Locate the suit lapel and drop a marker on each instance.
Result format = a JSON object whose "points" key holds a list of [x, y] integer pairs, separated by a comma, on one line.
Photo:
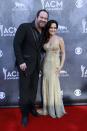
{"points": [[35, 35]]}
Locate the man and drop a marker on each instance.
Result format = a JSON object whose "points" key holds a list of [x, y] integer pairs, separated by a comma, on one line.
{"points": [[27, 47]]}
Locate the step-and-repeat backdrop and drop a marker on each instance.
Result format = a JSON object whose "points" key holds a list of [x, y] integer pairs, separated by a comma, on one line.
{"points": [[72, 18]]}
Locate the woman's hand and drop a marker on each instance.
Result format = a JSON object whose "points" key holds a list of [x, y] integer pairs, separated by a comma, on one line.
{"points": [[58, 70]]}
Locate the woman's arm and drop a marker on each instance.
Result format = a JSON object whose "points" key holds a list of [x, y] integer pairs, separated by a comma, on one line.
{"points": [[62, 52]]}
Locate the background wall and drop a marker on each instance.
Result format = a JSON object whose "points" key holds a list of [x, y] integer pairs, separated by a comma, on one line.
{"points": [[72, 18]]}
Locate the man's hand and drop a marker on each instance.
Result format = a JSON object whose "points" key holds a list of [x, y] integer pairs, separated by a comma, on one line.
{"points": [[23, 66]]}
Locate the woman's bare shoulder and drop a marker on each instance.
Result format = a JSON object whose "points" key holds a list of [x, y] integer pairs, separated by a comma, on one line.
{"points": [[60, 38]]}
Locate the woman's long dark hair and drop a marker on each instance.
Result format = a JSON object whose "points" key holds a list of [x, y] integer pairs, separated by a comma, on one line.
{"points": [[46, 34]]}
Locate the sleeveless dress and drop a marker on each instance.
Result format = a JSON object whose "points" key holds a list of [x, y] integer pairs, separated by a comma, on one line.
{"points": [[51, 92]]}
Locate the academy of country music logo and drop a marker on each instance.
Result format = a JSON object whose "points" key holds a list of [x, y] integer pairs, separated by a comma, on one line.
{"points": [[52, 4], [7, 31], [83, 71], [1, 53], [84, 25], [10, 75]]}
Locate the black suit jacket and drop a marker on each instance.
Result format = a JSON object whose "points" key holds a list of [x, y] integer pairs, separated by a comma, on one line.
{"points": [[27, 46]]}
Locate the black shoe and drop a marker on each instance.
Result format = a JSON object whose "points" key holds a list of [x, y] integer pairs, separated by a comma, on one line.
{"points": [[34, 112], [25, 121]]}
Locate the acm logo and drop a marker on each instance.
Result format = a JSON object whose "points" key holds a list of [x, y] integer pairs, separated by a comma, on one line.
{"points": [[1, 53], [10, 75], [7, 31], [52, 4]]}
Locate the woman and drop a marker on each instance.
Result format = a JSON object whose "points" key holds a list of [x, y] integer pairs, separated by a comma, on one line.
{"points": [[53, 62]]}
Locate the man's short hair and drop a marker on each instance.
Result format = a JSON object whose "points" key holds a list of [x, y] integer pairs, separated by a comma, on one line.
{"points": [[41, 11]]}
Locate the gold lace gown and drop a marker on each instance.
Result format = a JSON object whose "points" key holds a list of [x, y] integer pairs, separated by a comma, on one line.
{"points": [[51, 92]]}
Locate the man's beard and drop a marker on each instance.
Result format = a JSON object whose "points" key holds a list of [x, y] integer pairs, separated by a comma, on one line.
{"points": [[42, 24]]}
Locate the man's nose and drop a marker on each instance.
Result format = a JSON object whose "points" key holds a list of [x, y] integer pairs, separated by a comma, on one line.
{"points": [[43, 19]]}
